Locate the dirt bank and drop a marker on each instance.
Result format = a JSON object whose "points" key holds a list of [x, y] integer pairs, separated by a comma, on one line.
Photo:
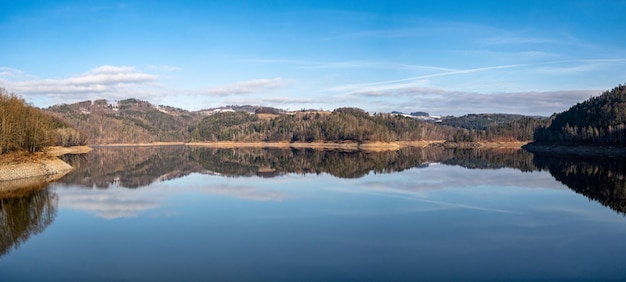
{"points": [[44, 167], [23, 186], [41, 166]]}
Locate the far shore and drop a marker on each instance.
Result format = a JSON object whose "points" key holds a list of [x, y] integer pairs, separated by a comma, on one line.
{"points": [[367, 146]]}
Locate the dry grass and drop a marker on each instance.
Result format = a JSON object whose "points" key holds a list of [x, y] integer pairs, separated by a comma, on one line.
{"points": [[505, 144], [23, 157], [266, 116], [323, 113], [58, 151]]}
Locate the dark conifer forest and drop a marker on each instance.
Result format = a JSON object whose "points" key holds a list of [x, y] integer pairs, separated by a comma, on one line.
{"points": [[600, 120]]}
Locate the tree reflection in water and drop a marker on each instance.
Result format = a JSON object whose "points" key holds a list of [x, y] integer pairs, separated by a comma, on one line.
{"points": [[600, 179], [134, 167], [24, 214]]}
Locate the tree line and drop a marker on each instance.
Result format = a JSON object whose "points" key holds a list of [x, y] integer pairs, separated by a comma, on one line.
{"points": [[600, 120], [348, 124], [26, 128]]}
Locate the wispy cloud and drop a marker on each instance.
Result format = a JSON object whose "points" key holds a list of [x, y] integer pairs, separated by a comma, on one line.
{"points": [[11, 74], [164, 68], [416, 29], [516, 40], [246, 87], [579, 66], [306, 64], [393, 84], [244, 192], [277, 101], [285, 100], [440, 101]]}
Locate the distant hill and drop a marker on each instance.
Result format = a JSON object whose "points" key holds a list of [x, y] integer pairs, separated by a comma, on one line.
{"points": [[599, 120], [480, 121], [343, 124], [126, 121], [134, 121]]}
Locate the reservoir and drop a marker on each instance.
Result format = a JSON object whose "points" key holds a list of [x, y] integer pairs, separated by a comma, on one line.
{"points": [[200, 214]]}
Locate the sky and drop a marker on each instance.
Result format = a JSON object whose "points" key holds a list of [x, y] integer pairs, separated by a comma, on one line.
{"points": [[441, 57]]}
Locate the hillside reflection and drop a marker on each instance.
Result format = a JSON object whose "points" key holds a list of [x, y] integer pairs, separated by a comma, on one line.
{"points": [[25, 213], [129, 167], [134, 167], [600, 179]]}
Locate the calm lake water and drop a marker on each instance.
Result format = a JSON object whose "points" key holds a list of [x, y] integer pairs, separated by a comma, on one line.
{"points": [[186, 214]]}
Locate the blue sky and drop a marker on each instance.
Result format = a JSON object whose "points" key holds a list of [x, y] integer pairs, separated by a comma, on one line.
{"points": [[442, 57]]}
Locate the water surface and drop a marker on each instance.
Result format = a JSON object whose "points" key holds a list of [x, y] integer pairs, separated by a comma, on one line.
{"points": [[179, 213]]}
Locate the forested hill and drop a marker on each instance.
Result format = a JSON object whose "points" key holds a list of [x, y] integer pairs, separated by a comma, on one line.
{"points": [[348, 124], [480, 121], [134, 121], [599, 120], [127, 121], [343, 124]]}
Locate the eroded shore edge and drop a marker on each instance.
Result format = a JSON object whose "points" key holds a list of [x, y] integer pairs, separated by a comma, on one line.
{"points": [[27, 169]]}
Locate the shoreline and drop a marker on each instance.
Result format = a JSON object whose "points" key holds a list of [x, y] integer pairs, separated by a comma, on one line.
{"points": [[367, 146], [21, 169], [48, 168], [576, 150]]}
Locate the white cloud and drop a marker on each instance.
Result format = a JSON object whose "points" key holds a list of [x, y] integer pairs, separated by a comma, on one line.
{"points": [[115, 203], [246, 87], [101, 82], [108, 203]]}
